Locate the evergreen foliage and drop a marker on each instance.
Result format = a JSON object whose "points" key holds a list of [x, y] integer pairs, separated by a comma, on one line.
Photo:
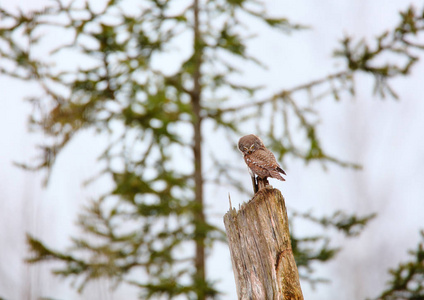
{"points": [[407, 280]]}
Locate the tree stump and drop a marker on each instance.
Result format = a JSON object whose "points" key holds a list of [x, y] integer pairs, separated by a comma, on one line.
{"points": [[261, 253]]}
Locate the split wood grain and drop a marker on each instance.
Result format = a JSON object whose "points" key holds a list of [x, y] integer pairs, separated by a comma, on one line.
{"points": [[261, 253]]}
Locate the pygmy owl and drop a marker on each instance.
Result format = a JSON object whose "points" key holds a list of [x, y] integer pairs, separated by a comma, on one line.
{"points": [[259, 159]]}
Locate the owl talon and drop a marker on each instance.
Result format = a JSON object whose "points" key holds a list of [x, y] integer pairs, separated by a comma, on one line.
{"points": [[262, 183]]}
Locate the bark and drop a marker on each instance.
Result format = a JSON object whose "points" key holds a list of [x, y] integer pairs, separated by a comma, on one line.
{"points": [[261, 253], [199, 216]]}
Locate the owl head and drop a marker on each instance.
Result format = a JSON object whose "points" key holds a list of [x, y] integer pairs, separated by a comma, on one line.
{"points": [[250, 143]]}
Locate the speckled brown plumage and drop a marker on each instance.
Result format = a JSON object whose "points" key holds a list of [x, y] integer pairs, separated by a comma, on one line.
{"points": [[259, 159]]}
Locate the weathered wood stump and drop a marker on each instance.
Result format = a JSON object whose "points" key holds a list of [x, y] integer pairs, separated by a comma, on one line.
{"points": [[261, 253]]}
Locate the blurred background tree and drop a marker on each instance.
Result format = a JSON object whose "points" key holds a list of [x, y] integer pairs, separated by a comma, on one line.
{"points": [[407, 280], [151, 77]]}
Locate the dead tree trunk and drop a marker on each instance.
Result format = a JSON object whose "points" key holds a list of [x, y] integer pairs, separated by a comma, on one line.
{"points": [[261, 253]]}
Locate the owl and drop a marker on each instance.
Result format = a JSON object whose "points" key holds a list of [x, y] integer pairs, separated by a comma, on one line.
{"points": [[259, 159]]}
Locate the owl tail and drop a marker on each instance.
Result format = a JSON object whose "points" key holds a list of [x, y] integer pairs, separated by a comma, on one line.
{"points": [[281, 170], [276, 174]]}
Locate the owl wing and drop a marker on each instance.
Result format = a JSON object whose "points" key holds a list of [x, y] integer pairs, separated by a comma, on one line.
{"points": [[263, 163]]}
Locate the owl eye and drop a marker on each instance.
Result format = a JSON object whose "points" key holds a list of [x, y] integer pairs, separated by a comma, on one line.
{"points": [[251, 147]]}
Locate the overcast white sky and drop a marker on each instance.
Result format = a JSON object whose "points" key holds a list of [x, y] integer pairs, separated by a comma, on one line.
{"points": [[385, 136]]}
